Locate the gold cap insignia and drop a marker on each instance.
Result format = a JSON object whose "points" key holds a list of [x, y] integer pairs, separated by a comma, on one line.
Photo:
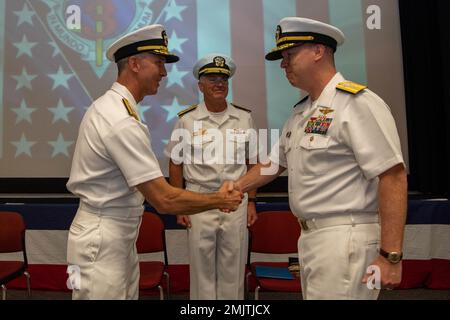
{"points": [[219, 61], [164, 36], [277, 33]]}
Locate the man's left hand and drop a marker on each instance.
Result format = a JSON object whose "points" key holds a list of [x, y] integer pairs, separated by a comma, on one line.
{"points": [[251, 214], [391, 274]]}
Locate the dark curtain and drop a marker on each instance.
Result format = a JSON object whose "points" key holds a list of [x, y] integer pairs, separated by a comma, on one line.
{"points": [[425, 29]]}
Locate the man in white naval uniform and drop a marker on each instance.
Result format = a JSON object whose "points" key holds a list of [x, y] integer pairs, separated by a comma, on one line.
{"points": [[114, 168], [217, 242], [347, 180]]}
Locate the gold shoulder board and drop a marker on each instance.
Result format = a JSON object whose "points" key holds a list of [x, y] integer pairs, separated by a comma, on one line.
{"points": [[241, 108], [183, 112], [352, 87], [130, 109]]}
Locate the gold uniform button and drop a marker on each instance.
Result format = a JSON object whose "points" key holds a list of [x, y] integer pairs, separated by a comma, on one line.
{"points": [[311, 139]]}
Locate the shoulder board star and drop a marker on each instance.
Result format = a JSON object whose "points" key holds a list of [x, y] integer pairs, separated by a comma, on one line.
{"points": [[241, 108], [351, 87], [183, 112], [301, 101], [130, 109]]}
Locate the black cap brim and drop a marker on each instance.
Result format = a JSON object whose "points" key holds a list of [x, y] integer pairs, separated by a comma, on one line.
{"points": [[275, 53], [170, 58]]}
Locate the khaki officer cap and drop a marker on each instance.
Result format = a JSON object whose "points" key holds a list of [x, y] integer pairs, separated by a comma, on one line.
{"points": [[292, 31], [150, 38]]}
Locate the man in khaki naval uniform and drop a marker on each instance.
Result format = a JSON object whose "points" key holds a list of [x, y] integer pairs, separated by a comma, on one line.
{"points": [[347, 181], [114, 168], [217, 241]]}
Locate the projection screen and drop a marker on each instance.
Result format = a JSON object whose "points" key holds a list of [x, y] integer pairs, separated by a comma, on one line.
{"points": [[53, 65]]}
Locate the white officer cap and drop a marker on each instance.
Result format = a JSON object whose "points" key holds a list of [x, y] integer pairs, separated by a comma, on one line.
{"points": [[152, 38], [292, 31], [214, 63]]}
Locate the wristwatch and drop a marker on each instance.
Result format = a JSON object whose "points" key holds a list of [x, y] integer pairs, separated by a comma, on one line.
{"points": [[393, 257], [252, 199]]}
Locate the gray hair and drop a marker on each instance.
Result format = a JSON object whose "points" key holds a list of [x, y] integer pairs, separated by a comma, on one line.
{"points": [[121, 64]]}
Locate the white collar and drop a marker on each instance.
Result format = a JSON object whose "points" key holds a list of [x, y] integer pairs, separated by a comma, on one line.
{"points": [[124, 93], [202, 112], [326, 96]]}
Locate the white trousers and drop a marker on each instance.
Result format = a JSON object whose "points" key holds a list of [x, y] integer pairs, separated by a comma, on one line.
{"points": [[333, 261], [218, 245], [103, 249]]}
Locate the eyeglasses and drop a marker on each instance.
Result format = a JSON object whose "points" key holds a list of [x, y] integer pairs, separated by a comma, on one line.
{"points": [[216, 80]]}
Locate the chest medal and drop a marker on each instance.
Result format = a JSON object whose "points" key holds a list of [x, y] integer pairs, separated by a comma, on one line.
{"points": [[321, 123]]}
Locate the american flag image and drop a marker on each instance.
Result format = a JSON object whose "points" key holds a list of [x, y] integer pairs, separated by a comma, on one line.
{"points": [[53, 66], [52, 74]]}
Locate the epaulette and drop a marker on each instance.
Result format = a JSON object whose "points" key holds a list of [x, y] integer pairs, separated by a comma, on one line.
{"points": [[241, 108], [183, 112], [130, 109], [303, 100], [349, 86]]}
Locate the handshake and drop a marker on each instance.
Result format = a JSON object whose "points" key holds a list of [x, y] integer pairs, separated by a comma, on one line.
{"points": [[226, 199], [231, 196]]}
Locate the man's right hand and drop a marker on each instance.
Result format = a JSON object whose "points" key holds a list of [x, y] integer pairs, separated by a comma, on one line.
{"points": [[231, 198], [184, 221]]}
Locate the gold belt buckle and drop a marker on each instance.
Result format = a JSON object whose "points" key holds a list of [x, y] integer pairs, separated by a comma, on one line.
{"points": [[304, 225]]}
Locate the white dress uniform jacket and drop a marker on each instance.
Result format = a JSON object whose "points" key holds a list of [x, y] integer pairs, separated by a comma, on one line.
{"points": [[334, 148], [113, 154], [217, 241]]}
